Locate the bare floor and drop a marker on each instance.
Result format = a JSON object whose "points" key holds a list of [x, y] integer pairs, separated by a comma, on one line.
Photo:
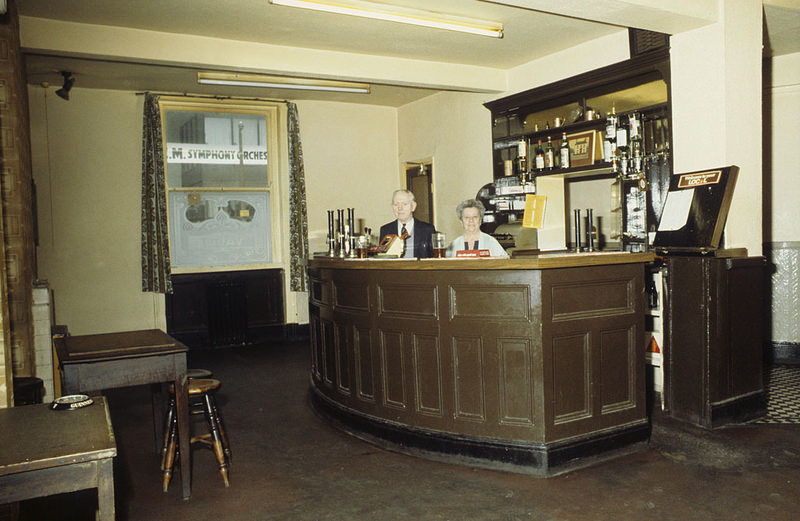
{"points": [[290, 465]]}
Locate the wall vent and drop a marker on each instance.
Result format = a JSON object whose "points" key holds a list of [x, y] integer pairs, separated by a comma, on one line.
{"points": [[642, 41]]}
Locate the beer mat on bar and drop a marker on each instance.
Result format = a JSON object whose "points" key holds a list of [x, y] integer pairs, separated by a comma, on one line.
{"points": [[782, 383]]}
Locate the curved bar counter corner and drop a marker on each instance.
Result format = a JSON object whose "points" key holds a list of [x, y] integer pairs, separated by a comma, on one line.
{"points": [[533, 365]]}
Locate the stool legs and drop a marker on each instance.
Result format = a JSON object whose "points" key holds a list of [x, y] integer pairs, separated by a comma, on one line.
{"points": [[214, 426], [216, 438], [222, 434], [170, 448], [168, 421]]}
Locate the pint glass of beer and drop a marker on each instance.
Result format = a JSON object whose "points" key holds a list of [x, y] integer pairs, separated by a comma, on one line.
{"points": [[439, 245]]}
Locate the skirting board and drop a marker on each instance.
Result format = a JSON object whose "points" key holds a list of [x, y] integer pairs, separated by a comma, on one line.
{"points": [[784, 352]]}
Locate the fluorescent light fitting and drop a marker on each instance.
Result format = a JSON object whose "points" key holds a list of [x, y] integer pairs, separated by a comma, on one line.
{"points": [[400, 14], [280, 82]]}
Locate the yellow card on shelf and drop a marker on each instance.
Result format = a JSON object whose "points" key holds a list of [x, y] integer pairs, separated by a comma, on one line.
{"points": [[534, 211]]}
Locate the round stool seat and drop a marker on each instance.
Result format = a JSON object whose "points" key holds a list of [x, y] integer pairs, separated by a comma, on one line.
{"points": [[198, 386], [193, 374]]}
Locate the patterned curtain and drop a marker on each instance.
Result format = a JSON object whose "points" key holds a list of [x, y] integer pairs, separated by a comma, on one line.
{"points": [[298, 219], [155, 235]]}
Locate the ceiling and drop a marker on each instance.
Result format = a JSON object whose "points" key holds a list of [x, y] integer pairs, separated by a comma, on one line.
{"points": [[529, 33]]}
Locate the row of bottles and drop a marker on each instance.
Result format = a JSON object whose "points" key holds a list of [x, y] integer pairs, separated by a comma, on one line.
{"points": [[543, 157], [623, 143], [633, 144], [630, 141]]}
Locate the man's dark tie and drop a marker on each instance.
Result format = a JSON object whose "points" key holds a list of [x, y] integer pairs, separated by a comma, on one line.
{"points": [[403, 231]]}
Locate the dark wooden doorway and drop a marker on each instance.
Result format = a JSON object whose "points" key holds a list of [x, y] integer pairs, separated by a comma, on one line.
{"points": [[419, 180]]}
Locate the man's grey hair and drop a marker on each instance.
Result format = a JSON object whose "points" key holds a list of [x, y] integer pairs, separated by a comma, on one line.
{"points": [[470, 203], [404, 191]]}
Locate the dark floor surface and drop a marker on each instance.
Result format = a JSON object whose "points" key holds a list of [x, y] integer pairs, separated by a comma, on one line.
{"points": [[290, 465]]}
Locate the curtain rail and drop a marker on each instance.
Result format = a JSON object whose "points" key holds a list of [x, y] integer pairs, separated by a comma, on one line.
{"points": [[210, 96]]}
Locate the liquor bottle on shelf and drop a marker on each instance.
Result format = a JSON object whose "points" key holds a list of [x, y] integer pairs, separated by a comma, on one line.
{"points": [[610, 142], [508, 167], [636, 156], [652, 293], [539, 163], [622, 145], [522, 157], [635, 128], [564, 151], [549, 155]]}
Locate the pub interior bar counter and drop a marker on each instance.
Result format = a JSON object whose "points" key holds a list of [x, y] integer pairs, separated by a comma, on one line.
{"points": [[532, 365]]}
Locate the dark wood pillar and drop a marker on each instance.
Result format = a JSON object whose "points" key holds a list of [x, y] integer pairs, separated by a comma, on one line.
{"points": [[17, 200]]}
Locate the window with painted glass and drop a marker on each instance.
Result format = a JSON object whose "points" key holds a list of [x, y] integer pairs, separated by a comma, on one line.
{"points": [[221, 195]]}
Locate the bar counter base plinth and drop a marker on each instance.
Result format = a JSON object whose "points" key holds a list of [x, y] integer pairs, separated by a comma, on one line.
{"points": [[740, 409], [538, 460]]}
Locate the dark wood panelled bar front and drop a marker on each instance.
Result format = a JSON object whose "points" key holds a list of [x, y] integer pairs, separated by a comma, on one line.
{"points": [[533, 365]]}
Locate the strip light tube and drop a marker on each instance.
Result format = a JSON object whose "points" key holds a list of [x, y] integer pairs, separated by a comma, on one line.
{"points": [[280, 82], [401, 15]]}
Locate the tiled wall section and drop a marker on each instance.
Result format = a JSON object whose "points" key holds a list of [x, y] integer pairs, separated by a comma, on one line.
{"points": [[42, 337], [15, 179], [785, 291]]}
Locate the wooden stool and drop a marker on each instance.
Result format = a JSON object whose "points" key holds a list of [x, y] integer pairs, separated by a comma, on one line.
{"points": [[196, 407], [216, 438]]}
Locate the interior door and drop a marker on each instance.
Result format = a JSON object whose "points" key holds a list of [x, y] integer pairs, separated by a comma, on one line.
{"points": [[419, 180]]}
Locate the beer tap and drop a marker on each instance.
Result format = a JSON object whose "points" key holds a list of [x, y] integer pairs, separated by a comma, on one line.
{"points": [[351, 233], [331, 235], [341, 239]]}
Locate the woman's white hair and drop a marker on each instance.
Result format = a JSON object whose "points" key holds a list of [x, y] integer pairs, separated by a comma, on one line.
{"points": [[470, 203]]}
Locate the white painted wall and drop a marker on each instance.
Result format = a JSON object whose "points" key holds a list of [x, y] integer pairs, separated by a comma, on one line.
{"points": [[783, 185], [87, 170], [86, 166], [607, 50], [350, 156], [716, 110], [455, 130]]}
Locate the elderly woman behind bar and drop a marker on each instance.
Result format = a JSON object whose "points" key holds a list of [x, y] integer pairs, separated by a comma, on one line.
{"points": [[470, 213]]}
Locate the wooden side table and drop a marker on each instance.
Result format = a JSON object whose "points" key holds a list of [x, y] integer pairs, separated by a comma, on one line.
{"points": [[46, 452], [111, 360]]}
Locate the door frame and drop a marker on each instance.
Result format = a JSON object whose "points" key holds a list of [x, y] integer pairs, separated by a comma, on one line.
{"points": [[417, 169]]}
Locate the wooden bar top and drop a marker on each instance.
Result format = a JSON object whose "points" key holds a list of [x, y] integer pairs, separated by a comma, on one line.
{"points": [[537, 262], [108, 346]]}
